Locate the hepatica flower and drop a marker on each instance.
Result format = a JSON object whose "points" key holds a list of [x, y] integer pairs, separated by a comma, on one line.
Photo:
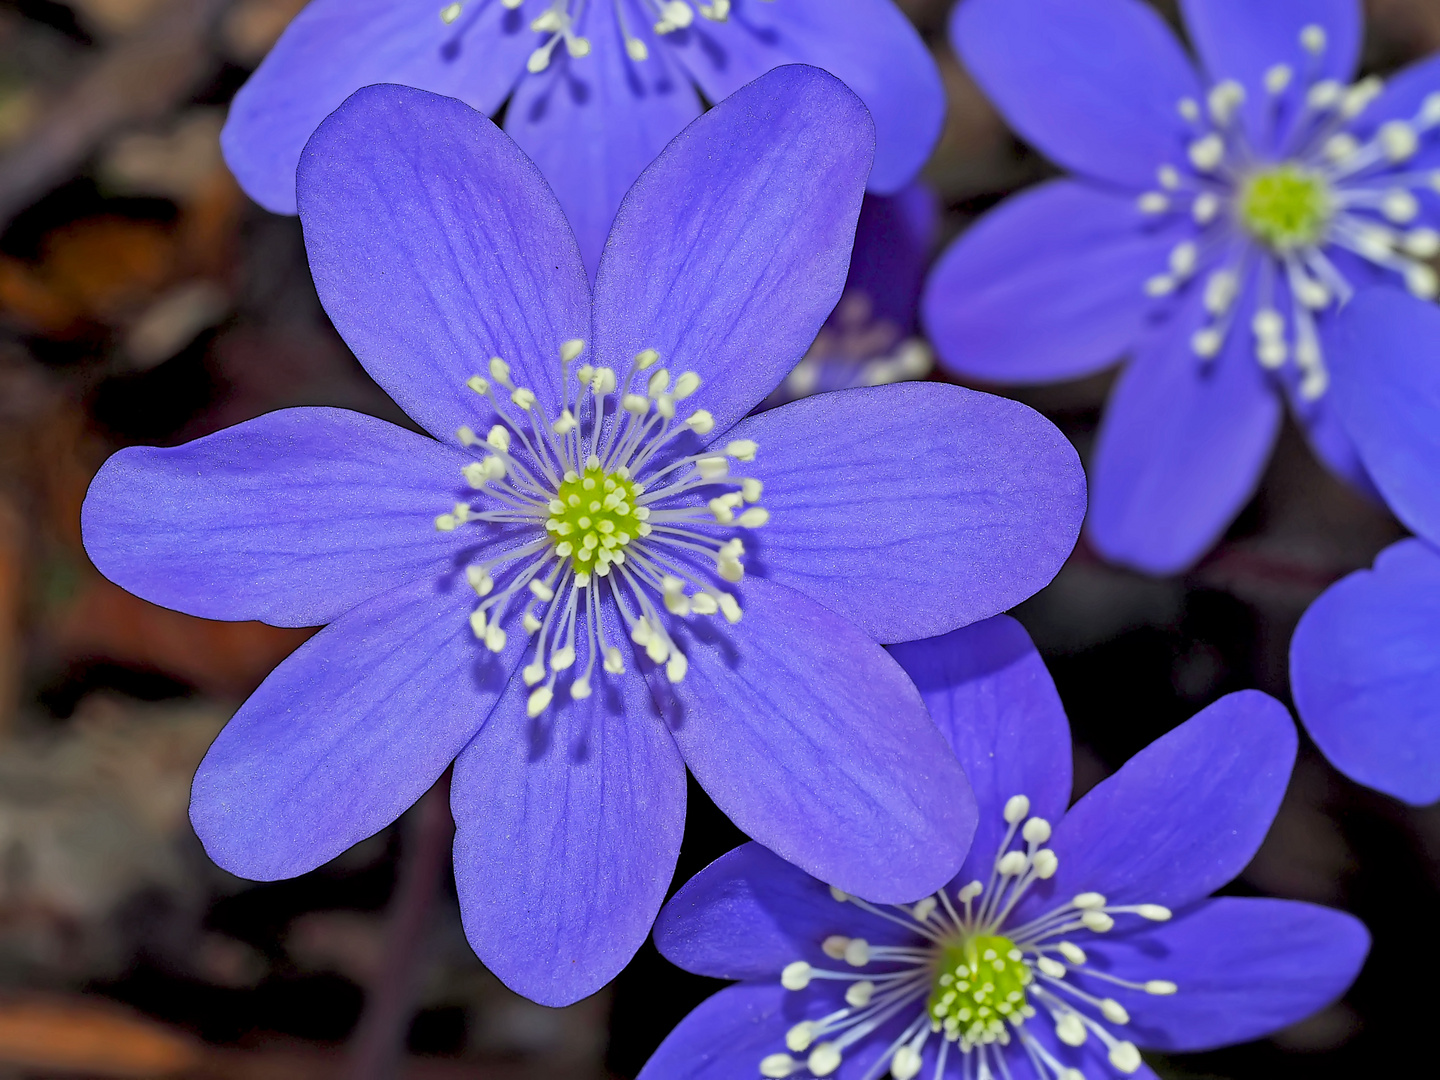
{"points": [[594, 571], [871, 338], [595, 88], [1068, 939], [1365, 659], [1217, 222]]}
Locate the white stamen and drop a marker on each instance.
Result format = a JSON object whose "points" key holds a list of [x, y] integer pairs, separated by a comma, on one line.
{"points": [[1312, 39], [1207, 153]]}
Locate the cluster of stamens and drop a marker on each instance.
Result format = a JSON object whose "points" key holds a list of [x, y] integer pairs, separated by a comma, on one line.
{"points": [[981, 981], [855, 348], [599, 506], [559, 21], [1321, 188]]}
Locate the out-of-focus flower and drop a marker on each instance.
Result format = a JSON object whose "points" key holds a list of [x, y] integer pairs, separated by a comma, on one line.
{"points": [[1059, 948], [870, 338], [1217, 223], [595, 88], [1365, 659], [593, 512]]}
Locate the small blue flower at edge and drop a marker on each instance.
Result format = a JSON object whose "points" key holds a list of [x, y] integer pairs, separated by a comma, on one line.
{"points": [[1216, 224], [1068, 940], [595, 88], [594, 572]]}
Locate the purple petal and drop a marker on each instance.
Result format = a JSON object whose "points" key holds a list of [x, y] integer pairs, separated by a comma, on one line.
{"points": [[812, 740], [1183, 816], [350, 730], [749, 913], [591, 125], [732, 247], [1182, 445], [1047, 286], [292, 518], [1242, 40], [1093, 86], [871, 489], [728, 1034], [1244, 967], [1365, 671], [1403, 97], [333, 48], [988, 690], [567, 831], [435, 245], [1385, 369], [867, 44]]}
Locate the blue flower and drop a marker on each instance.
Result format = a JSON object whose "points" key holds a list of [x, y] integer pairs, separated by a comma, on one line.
{"points": [[1216, 224], [1068, 938], [1365, 659], [870, 338], [551, 586], [596, 88]]}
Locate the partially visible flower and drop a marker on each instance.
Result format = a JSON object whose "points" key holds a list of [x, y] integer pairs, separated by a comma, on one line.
{"points": [[595, 88], [871, 337], [596, 571], [1068, 940], [1365, 659], [1217, 223]]}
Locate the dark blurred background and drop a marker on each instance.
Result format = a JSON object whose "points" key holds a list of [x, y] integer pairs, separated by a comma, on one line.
{"points": [[144, 299]]}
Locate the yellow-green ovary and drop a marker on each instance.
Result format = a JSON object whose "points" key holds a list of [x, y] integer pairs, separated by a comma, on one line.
{"points": [[594, 516], [979, 985], [1285, 207]]}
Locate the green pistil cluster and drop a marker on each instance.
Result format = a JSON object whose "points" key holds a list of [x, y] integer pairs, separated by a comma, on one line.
{"points": [[1285, 207], [979, 985], [594, 516]]}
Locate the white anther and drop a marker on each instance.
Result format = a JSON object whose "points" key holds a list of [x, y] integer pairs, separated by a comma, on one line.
{"points": [[531, 623], [824, 1059], [495, 638], [974, 889], [1400, 206], [753, 518], [498, 438], [799, 1037], [446, 523], [646, 358], [577, 46], [1313, 294], [1160, 285], [532, 673], [1072, 952], [700, 422], [614, 662], [686, 385], [704, 604], [1183, 258], [1277, 78], [741, 449], [541, 590], [1070, 1074], [1168, 175], [665, 406], [730, 608], [1045, 862], [1398, 139], [906, 1063], [1188, 108], [1341, 148], [657, 649], [1205, 207], [1153, 202], [857, 952], [1422, 243], [676, 667], [466, 436], [834, 946], [1017, 809], [1223, 99], [658, 384], [859, 994], [1208, 152], [1421, 280], [569, 350], [1221, 288], [584, 373], [779, 1066], [1160, 987], [1314, 384], [1268, 323], [1125, 1057], [1307, 353], [1312, 39], [1375, 242], [479, 385], [796, 975], [1206, 343], [923, 909], [450, 12], [1097, 921], [1053, 968], [1089, 901], [479, 580], [1429, 114], [713, 467], [1324, 94], [751, 488], [720, 508], [1358, 98], [474, 474], [562, 658], [566, 424], [580, 689], [1036, 831], [1013, 864], [1153, 912], [477, 623], [1070, 1030], [500, 371], [1113, 1011], [539, 701], [635, 404]]}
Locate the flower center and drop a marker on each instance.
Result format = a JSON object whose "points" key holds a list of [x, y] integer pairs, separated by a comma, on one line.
{"points": [[980, 983], [1286, 207], [594, 517]]}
